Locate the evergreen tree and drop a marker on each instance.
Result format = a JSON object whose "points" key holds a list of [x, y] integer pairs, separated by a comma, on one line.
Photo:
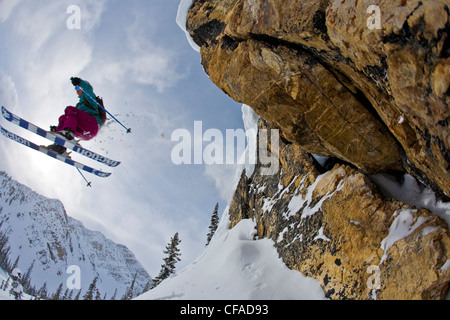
{"points": [[6, 284], [214, 224], [4, 252], [92, 290], [42, 293], [172, 258], [97, 294], [147, 287], [16, 263], [26, 280], [68, 294], [57, 294], [129, 294], [114, 295], [77, 297]]}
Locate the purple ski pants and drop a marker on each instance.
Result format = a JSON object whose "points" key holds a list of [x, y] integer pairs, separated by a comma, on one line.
{"points": [[80, 122]]}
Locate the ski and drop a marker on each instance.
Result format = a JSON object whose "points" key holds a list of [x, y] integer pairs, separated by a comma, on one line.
{"points": [[49, 153], [57, 139]]}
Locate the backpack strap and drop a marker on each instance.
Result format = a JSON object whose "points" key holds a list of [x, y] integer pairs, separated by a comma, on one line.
{"points": [[101, 111], [89, 105]]}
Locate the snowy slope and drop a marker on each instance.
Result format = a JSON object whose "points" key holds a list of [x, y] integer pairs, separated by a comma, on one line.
{"points": [[236, 267], [42, 234]]}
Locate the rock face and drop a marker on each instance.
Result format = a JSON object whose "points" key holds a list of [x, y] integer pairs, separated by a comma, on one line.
{"points": [[366, 84], [343, 78], [335, 226]]}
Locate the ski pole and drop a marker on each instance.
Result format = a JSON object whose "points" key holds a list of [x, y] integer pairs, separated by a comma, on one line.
{"points": [[88, 183], [79, 88]]}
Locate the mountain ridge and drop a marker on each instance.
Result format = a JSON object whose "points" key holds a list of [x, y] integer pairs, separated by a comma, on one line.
{"points": [[42, 234]]}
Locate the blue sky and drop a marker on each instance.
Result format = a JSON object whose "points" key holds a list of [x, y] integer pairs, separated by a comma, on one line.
{"points": [[139, 60]]}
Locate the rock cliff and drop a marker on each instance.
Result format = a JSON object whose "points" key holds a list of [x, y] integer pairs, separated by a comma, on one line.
{"points": [[365, 85], [343, 78], [335, 226]]}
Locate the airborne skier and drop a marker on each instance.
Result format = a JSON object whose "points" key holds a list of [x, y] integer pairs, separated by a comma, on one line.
{"points": [[82, 121], [9, 116]]}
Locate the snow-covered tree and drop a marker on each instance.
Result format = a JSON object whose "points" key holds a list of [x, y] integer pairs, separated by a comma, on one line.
{"points": [[77, 297], [42, 293], [148, 286], [4, 252], [129, 294], [67, 294], [214, 224], [114, 295], [91, 291], [26, 280], [173, 256], [57, 294]]}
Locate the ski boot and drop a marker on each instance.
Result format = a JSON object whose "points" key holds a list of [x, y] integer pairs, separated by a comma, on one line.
{"points": [[67, 133], [56, 148]]}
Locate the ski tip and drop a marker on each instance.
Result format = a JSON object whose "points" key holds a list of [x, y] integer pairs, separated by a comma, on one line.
{"points": [[115, 164], [6, 114], [102, 174]]}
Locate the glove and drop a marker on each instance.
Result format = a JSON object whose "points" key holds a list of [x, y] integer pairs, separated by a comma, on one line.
{"points": [[75, 81]]}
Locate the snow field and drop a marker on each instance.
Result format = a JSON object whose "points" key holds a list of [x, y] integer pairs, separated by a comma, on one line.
{"points": [[235, 266]]}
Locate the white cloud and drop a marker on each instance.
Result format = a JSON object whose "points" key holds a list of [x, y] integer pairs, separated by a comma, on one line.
{"points": [[133, 55], [225, 178], [148, 63], [91, 13], [36, 23], [8, 91], [42, 54], [125, 54], [154, 67], [6, 8]]}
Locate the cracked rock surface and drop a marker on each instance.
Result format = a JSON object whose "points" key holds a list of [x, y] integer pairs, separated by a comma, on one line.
{"points": [[375, 98]]}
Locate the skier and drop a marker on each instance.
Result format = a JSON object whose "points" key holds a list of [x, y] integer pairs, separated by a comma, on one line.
{"points": [[82, 121], [17, 289]]}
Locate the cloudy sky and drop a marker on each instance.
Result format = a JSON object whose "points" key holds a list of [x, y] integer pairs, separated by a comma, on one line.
{"points": [[139, 60]]}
